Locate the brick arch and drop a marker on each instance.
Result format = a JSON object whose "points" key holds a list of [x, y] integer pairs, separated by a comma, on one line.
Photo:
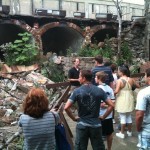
{"points": [[97, 28], [31, 30], [27, 28], [22, 25], [48, 26]]}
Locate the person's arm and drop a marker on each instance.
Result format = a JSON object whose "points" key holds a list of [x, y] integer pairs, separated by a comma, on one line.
{"points": [[73, 80], [136, 84], [118, 87], [139, 119], [109, 108], [111, 79], [111, 84], [140, 110], [69, 112], [19, 122]]}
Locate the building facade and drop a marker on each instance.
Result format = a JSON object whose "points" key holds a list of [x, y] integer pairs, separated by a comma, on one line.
{"points": [[90, 8]]}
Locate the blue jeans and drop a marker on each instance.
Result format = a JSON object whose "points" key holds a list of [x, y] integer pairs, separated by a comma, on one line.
{"points": [[144, 141], [84, 134]]}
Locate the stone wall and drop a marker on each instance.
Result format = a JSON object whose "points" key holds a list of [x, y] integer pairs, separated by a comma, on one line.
{"points": [[135, 37]]}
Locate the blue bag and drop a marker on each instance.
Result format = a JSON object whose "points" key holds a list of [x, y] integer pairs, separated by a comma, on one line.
{"points": [[60, 137], [61, 140]]}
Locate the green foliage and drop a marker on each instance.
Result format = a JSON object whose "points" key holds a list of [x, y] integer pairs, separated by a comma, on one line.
{"points": [[107, 50], [126, 54], [53, 71], [89, 51], [95, 50], [19, 143], [20, 52], [69, 51]]}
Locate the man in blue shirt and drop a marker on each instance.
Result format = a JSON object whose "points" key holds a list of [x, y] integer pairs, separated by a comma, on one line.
{"points": [[88, 98], [99, 66]]}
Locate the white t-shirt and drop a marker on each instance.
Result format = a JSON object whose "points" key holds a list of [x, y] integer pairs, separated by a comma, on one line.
{"points": [[143, 104], [115, 79], [110, 93]]}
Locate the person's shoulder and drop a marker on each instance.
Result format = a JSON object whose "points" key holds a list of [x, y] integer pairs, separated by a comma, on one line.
{"points": [[145, 91], [24, 115], [108, 87], [71, 69], [99, 87]]}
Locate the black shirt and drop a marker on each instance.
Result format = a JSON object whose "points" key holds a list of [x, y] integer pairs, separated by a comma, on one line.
{"points": [[74, 74]]}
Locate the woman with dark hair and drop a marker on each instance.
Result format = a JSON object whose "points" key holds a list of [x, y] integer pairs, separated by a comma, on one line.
{"points": [[124, 100], [37, 122]]}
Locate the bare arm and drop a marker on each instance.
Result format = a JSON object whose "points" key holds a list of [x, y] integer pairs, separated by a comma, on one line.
{"points": [[73, 79], [136, 84], [111, 85], [118, 87], [69, 112], [139, 119]]}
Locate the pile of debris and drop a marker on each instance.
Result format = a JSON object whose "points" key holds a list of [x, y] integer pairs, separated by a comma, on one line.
{"points": [[15, 82]]}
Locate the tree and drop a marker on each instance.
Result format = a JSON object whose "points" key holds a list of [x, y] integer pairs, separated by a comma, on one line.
{"points": [[119, 14]]}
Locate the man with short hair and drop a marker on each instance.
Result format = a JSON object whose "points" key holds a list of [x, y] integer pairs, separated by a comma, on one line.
{"points": [[143, 115], [73, 74], [99, 66], [88, 98]]}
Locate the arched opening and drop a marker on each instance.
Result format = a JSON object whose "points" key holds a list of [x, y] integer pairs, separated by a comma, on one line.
{"points": [[60, 38], [102, 34], [9, 33]]}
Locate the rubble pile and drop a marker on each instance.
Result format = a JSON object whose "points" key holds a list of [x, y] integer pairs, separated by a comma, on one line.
{"points": [[14, 86]]}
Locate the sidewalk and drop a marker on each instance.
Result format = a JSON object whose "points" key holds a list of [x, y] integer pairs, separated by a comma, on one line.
{"points": [[129, 143]]}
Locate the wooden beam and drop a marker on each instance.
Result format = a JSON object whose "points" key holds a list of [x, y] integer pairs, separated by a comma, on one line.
{"points": [[55, 85]]}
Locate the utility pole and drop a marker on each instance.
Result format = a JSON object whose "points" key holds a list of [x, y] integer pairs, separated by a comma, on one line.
{"points": [[60, 4], [32, 7]]}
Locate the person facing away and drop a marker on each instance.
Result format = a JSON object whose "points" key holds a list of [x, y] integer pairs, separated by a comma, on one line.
{"points": [[143, 115], [124, 104], [88, 98], [73, 74], [107, 123], [99, 66], [114, 72], [37, 122]]}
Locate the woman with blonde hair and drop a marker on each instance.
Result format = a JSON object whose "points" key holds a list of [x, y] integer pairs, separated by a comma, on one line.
{"points": [[37, 122]]}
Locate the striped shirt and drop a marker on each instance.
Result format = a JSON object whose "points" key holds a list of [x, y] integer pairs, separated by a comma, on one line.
{"points": [[39, 134]]}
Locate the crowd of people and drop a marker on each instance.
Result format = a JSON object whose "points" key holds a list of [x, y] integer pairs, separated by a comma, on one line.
{"points": [[97, 93], [103, 89]]}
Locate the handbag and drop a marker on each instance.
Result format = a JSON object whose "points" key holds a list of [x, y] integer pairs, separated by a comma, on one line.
{"points": [[60, 137]]}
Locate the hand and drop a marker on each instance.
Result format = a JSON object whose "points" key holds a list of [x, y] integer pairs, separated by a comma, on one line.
{"points": [[139, 130], [101, 118], [76, 118], [53, 109], [103, 105]]}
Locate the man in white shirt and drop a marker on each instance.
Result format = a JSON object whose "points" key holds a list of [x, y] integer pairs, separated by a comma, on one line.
{"points": [[143, 115]]}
